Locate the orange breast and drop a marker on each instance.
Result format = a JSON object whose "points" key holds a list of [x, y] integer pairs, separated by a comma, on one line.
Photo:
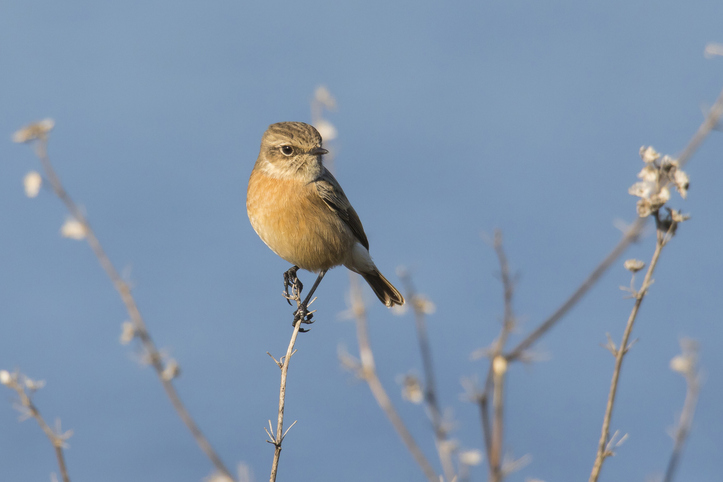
{"points": [[291, 218]]}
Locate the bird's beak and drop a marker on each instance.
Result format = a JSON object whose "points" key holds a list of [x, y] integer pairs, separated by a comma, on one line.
{"points": [[318, 151]]}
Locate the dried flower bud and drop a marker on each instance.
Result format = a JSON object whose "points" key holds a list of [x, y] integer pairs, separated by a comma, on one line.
{"points": [[32, 182], [648, 154], [680, 364], [677, 217], [424, 304], [5, 377], [33, 131], [634, 265], [73, 229], [680, 178], [644, 208], [649, 173], [661, 197], [668, 163], [34, 384], [128, 332], [713, 49], [470, 457], [412, 389], [400, 310], [324, 97], [171, 371], [641, 189], [326, 129], [499, 365]]}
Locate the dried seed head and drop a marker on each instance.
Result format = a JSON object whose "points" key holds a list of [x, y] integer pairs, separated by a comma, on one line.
{"points": [[634, 265], [644, 208], [642, 189], [648, 154], [33, 131], [649, 173], [681, 181], [677, 216]]}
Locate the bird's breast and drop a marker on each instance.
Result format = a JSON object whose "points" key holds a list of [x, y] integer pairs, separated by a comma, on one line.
{"points": [[291, 218]]}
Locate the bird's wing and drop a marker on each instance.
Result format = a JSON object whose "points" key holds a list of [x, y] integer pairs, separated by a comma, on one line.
{"points": [[333, 196]]}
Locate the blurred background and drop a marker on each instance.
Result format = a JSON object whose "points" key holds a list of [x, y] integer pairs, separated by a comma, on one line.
{"points": [[452, 120]]}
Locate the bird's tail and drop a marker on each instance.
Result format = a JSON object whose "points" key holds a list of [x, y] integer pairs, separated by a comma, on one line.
{"points": [[384, 290]]}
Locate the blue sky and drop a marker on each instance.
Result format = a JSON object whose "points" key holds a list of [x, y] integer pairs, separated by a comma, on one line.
{"points": [[453, 120]]}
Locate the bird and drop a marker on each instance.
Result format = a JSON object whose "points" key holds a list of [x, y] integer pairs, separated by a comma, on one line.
{"points": [[300, 211]]}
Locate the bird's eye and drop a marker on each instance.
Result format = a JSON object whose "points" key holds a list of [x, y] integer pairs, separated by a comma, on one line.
{"points": [[287, 150]]}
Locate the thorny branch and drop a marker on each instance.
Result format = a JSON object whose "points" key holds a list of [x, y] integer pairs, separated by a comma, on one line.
{"points": [[445, 447], [19, 382], [365, 369], [139, 327]]}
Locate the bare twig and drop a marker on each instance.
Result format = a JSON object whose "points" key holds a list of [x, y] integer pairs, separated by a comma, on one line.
{"points": [[493, 434], [430, 390], [367, 372], [630, 236], [279, 438], [686, 364], [19, 382], [604, 447], [483, 403], [124, 290], [300, 316]]}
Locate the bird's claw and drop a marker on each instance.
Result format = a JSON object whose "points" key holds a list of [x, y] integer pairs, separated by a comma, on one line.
{"points": [[293, 282], [302, 315]]}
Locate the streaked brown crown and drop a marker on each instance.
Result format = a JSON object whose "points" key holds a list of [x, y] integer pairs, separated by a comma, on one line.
{"points": [[297, 134]]}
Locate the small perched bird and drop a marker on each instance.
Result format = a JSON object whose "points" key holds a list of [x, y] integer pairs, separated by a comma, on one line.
{"points": [[299, 210]]}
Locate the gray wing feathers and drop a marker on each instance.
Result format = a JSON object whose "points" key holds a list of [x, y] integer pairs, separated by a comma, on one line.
{"points": [[331, 192]]}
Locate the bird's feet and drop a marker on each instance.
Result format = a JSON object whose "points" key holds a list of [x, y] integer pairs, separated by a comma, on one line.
{"points": [[293, 282], [303, 315]]}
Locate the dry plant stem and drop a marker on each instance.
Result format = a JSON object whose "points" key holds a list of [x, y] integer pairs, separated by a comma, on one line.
{"points": [[282, 402], [278, 440], [630, 237], [368, 374], [633, 233], [430, 389], [683, 429], [54, 438], [602, 450], [496, 381], [497, 428], [483, 404], [125, 293]]}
